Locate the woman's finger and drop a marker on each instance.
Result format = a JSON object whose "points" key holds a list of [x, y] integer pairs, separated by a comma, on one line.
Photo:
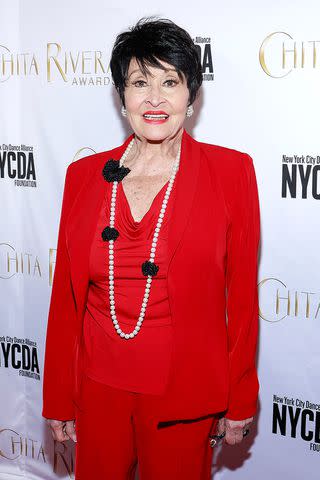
{"points": [[58, 430], [234, 431], [70, 430], [234, 436], [221, 427]]}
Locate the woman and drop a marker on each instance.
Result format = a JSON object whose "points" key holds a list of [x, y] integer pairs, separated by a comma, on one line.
{"points": [[154, 310]]}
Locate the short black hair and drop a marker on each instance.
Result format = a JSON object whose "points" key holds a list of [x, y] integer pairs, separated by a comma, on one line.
{"points": [[149, 41]]}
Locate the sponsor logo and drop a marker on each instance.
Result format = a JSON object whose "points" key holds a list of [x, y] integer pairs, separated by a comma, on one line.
{"points": [[17, 163], [297, 418], [20, 354]]}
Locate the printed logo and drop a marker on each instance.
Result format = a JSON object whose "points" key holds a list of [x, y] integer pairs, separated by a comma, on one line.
{"points": [[300, 176], [297, 418], [17, 163], [203, 46], [21, 354]]}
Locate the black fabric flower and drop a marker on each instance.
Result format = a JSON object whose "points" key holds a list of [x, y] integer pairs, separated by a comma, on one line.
{"points": [[149, 268], [109, 233], [112, 172]]}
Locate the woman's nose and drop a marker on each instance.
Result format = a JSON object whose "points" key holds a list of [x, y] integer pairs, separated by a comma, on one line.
{"points": [[154, 95]]}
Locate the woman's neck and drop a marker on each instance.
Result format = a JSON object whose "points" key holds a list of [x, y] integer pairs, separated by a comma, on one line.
{"points": [[150, 158]]}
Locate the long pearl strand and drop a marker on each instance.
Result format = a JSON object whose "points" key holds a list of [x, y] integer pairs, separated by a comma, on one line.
{"points": [[134, 332]]}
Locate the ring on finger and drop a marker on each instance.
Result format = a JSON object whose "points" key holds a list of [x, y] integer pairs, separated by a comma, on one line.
{"points": [[215, 439]]}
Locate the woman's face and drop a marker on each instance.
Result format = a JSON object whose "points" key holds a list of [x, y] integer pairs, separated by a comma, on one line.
{"points": [[160, 92]]}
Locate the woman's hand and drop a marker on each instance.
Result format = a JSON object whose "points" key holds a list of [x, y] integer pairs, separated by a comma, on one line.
{"points": [[62, 430], [233, 429]]}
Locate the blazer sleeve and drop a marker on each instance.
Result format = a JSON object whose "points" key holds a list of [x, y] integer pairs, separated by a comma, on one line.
{"points": [[243, 237], [61, 327]]}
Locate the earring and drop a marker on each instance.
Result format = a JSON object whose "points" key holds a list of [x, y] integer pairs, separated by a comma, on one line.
{"points": [[123, 111], [189, 111]]}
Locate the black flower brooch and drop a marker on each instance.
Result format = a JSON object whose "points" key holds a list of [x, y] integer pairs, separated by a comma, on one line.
{"points": [[112, 172], [149, 268], [109, 233]]}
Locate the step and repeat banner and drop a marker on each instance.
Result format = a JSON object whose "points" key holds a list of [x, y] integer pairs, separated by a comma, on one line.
{"points": [[260, 95]]}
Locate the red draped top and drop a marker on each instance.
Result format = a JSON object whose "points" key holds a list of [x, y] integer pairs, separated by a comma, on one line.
{"points": [[140, 364]]}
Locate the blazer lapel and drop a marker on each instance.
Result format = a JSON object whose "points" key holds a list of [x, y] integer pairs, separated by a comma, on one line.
{"points": [[186, 178], [82, 222], [83, 217]]}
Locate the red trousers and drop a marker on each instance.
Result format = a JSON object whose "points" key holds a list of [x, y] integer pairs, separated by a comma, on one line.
{"points": [[117, 432]]}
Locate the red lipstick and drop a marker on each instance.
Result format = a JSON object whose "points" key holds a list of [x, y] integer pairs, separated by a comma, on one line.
{"points": [[155, 116]]}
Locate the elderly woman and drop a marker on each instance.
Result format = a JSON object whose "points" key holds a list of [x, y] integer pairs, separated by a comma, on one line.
{"points": [[153, 320]]}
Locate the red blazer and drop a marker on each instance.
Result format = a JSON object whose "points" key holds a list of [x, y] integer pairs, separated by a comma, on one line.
{"points": [[211, 278]]}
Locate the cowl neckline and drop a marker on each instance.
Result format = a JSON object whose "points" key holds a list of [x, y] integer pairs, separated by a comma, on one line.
{"points": [[151, 211]]}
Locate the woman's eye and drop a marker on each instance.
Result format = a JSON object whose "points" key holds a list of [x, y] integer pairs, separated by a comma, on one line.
{"points": [[174, 82], [139, 82]]}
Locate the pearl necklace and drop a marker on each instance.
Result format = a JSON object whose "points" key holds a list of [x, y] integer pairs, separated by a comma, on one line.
{"points": [[149, 268]]}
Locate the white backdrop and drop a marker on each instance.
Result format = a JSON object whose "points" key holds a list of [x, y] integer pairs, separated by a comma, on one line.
{"points": [[260, 95]]}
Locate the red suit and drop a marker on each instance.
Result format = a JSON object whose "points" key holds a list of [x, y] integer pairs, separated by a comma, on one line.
{"points": [[212, 246]]}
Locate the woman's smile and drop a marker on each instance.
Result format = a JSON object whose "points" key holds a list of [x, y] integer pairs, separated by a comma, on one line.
{"points": [[155, 117]]}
